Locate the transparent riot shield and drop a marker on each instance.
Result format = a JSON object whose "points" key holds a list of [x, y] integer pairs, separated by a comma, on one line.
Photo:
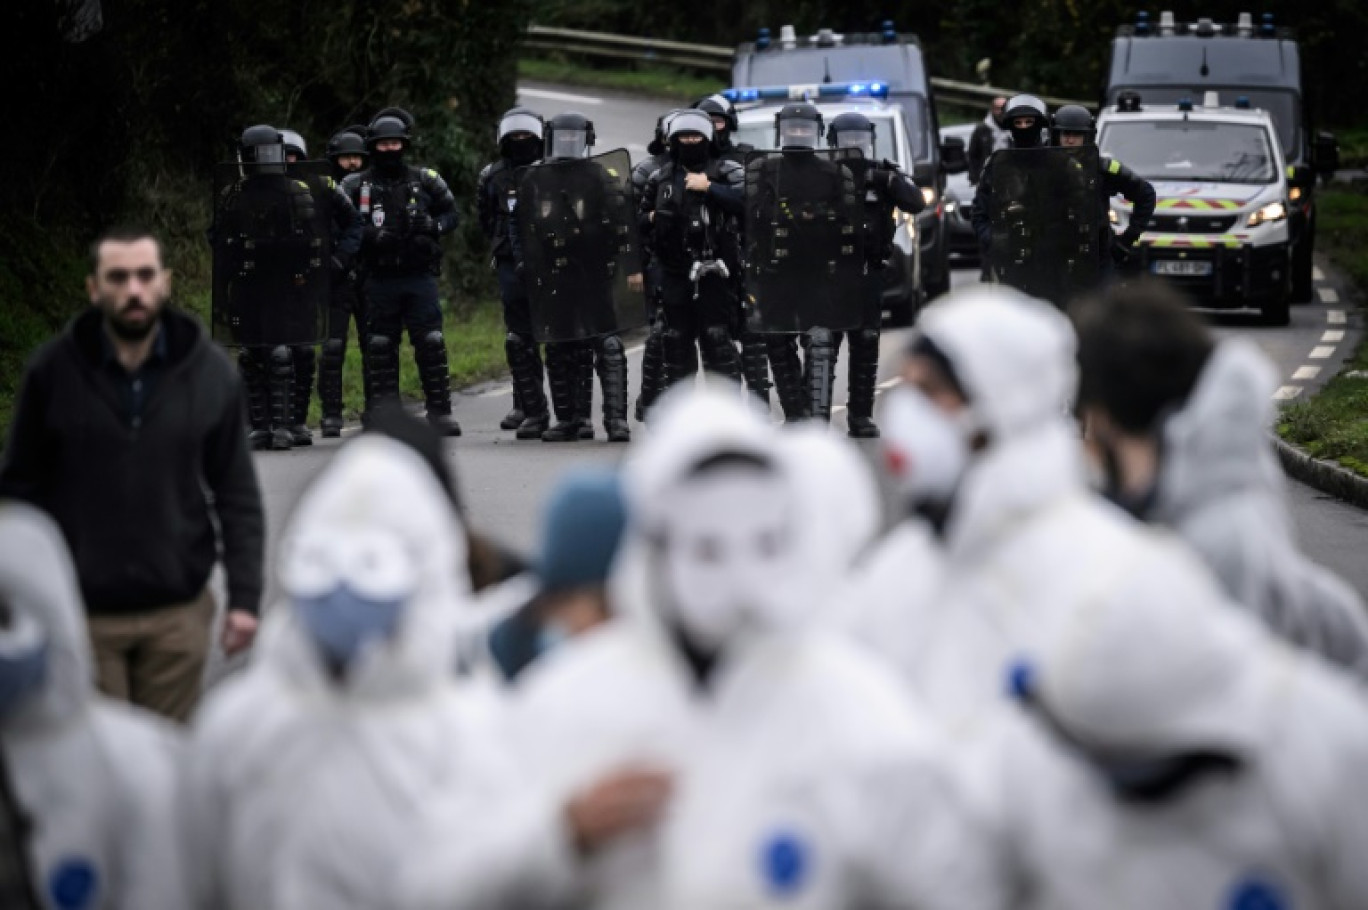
{"points": [[576, 222], [806, 237], [1047, 221], [272, 244]]}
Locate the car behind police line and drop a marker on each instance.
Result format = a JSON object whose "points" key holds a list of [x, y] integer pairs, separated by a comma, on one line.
{"points": [[1220, 228], [903, 283]]}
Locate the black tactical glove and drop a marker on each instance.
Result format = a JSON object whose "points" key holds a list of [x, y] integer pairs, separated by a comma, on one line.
{"points": [[423, 223], [1121, 251], [881, 179]]}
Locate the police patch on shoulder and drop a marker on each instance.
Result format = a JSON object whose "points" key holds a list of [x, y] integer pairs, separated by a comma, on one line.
{"points": [[612, 171], [785, 863], [1256, 893], [74, 884], [430, 172]]}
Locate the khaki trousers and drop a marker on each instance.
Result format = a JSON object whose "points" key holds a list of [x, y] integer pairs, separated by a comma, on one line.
{"points": [[155, 659]]}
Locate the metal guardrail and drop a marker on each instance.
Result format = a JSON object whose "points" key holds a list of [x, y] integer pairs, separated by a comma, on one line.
{"points": [[714, 59]]}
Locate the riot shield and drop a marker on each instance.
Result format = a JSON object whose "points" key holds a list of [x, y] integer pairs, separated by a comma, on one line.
{"points": [[576, 221], [806, 236], [272, 242], [1047, 221]]}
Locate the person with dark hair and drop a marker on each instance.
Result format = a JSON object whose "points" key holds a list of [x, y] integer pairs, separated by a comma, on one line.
{"points": [[989, 136], [124, 423], [1179, 424]]}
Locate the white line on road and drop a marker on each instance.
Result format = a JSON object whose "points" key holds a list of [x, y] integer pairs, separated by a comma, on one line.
{"points": [[1306, 373], [1328, 295], [890, 383], [557, 96], [1287, 393], [1317, 274], [1334, 317], [1322, 352], [1333, 335]]}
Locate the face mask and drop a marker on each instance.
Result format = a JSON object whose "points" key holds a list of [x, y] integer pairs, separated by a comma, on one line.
{"points": [[798, 134], [729, 560], [1028, 138], [693, 156], [926, 449], [343, 623], [523, 151], [388, 162], [23, 663]]}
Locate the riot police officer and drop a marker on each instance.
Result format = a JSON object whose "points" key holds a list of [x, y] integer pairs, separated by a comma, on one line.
{"points": [[653, 351], [886, 188], [1028, 121], [689, 221], [570, 365], [405, 210], [347, 154], [1073, 128], [520, 139]]}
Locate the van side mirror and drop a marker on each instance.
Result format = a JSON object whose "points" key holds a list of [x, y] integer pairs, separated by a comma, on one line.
{"points": [[1325, 154], [954, 159]]}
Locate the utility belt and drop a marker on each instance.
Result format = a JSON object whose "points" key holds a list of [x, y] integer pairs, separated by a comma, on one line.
{"points": [[412, 258]]}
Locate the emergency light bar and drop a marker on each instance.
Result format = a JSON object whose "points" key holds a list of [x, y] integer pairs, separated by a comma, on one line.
{"points": [[877, 90]]}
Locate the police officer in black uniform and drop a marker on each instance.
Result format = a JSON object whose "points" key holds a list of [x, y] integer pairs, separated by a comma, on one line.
{"points": [[1073, 128], [520, 140], [886, 188], [347, 154], [690, 214], [571, 365], [653, 351], [405, 210], [1028, 121]]}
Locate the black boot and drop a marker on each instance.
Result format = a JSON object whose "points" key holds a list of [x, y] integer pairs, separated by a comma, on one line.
{"points": [[788, 376], [755, 367], [862, 379], [584, 399], [652, 369], [383, 368], [433, 373], [330, 385], [561, 373], [612, 370], [527, 385], [719, 353], [681, 357], [281, 397], [818, 373], [304, 361], [256, 385], [514, 418]]}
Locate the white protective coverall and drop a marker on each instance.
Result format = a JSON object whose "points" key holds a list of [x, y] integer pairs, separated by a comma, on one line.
{"points": [[96, 778], [1173, 676], [1026, 542], [306, 790], [803, 778], [1221, 488]]}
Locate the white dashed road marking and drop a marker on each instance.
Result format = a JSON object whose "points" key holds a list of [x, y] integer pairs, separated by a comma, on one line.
{"points": [[1333, 335], [1287, 393], [557, 96], [1328, 295], [888, 384], [1317, 274], [1322, 352], [1306, 373], [1335, 317]]}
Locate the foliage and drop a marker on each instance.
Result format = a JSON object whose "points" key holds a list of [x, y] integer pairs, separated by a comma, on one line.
{"points": [[664, 82]]}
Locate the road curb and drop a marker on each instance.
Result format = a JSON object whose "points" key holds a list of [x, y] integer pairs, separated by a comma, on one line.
{"points": [[1324, 476]]}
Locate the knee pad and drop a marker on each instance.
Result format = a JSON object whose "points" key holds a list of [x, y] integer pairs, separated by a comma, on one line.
{"points": [[821, 338], [612, 346], [433, 341], [865, 338], [282, 356], [717, 335], [380, 345], [334, 349]]}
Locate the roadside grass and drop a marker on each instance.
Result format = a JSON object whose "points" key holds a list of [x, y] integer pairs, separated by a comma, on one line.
{"points": [[650, 79], [1353, 143], [1333, 425]]}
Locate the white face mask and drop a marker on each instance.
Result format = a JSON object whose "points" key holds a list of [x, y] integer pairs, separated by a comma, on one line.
{"points": [[729, 560], [926, 449]]}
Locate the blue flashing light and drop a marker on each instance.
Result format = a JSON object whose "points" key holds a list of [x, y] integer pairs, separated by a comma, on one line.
{"points": [[1242, 103], [742, 95], [1266, 26], [1142, 23], [890, 34], [762, 40], [1185, 104]]}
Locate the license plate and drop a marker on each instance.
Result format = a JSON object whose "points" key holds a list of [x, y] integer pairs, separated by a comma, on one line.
{"points": [[1182, 267]]}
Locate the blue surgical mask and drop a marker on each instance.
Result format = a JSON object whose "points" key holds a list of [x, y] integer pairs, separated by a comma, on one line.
{"points": [[23, 664], [343, 623]]}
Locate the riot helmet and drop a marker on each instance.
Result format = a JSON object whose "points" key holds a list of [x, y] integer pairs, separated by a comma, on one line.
{"points": [[719, 108], [693, 155], [657, 144], [349, 143], [1023, 107], [569, 135], [798, 126], [294, 145], [520, 135], [263, 147], [852, 131], [1073, 119], [385, 127]]}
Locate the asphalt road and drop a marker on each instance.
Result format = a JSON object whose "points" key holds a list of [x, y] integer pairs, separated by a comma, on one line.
{"points": [[504, 482]]}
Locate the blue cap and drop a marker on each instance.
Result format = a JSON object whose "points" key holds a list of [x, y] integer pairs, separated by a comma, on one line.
{"points": [[581, 530]]}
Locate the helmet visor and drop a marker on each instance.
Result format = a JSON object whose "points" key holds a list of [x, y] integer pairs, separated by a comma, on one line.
{"points": [[798, 134], [268, 154], [520, 123], [569, 143], [857, 139]]}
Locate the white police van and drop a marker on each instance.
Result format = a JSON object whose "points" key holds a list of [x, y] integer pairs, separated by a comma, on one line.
{"points": [[1220, 227], [903, 289]]}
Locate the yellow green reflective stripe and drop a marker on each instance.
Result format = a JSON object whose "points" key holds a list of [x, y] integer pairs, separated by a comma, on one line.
{"points": [[1114, 166], [1188, 242], [1291, 170], [1201, 205]]}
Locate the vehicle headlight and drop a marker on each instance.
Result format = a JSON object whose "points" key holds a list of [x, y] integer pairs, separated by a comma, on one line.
{"points": [[1274, 211], [949, 205], [1112, 217], [929, 195], [1295, 193]]}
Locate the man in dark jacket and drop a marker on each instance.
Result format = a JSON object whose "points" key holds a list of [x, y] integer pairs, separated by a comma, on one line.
{"points": [[130, 432], [989, 136]]}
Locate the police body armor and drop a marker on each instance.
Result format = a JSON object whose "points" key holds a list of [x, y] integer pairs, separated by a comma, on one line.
{"points": [[1046, 222], [272, 244], [576, 224], [391, 204], [806, 241]]}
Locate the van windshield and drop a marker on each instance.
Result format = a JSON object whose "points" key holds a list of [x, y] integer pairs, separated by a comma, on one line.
{"points": [[761, 135], [1190, 150], [1281, 106]]}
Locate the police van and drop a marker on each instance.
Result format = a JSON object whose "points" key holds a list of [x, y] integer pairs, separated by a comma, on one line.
{"points": [[904, 283], [888, 57], [1168, 60], [1220, 228]]}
